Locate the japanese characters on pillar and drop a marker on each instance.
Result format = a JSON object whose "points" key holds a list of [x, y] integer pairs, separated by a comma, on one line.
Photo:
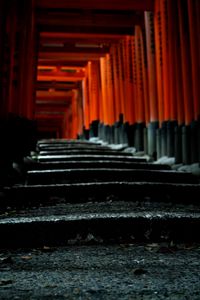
{"points": [[131, 79], [135, 77], [151, 60]]}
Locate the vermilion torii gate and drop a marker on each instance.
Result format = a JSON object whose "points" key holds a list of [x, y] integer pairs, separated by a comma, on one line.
{"points": [[141, 62]]}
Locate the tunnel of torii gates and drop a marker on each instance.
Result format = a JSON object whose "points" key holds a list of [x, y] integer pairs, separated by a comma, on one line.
{"points": [[141, 88]]}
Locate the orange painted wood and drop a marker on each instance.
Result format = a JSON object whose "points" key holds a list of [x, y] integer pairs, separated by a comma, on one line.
{"points": [[130, 76], [92, 81], [86, 110], [116, 87], [74, 115], [194, 49], [165, 55], [159, 60], [140, 102], [172, 40], [185, 61], [151, 60], [121, 78], [109, 88], [134, 70], [144, 79], [104, 90]]}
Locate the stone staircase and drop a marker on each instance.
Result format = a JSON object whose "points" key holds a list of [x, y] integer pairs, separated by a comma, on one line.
{"points": [[75, 189], [80, 195]]}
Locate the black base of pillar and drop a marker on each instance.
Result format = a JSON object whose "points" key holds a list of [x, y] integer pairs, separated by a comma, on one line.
{"points": [[116, 133], [178, 144], [145, 140], [86, 134], [171, 138], [152, 139], [130, 135], [158, 143], [139, 137], [194, 134], [164, 139], [94, 128], [186, 145]]}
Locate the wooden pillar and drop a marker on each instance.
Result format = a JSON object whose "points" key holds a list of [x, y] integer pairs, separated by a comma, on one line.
{"points": [[193, 8], [74, 114], [3, 17], [104, 90], [185, 60], [165, 56], [11, 32], [121, 78], [86, 111], [109, 88], [135, 78], [159, 60], [151, 59], [173, 37], [27, 59], [93, 90], [142, 96], [116, 84]]}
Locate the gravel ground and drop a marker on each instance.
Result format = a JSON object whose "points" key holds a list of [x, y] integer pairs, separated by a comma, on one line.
{"points": [[139, 272]]}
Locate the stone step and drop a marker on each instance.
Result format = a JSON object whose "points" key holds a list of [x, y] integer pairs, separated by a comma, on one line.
{"points": [[100, 223], [50, 147], [107, 174], [34, 195], [96, 164], [92, 157], [83, 151], [65, 142]]}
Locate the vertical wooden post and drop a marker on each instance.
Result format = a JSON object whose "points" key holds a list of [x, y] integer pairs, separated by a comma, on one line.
{"points": [[11, 30], [86, 102], [116, 84], [109, 87], [27, 59], [185, 59], [150, 42], [3, 17], [165, 55], [172, 40], [159, 60], [140, 83], [104, 90], [194, 50], [121, 78]]}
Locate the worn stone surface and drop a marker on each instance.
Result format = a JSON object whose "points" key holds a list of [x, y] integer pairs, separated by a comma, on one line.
{"points": [[141, 272]]}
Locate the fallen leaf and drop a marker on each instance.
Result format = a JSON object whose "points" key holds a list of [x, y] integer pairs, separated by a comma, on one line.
{"points": [[26, 257]]}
